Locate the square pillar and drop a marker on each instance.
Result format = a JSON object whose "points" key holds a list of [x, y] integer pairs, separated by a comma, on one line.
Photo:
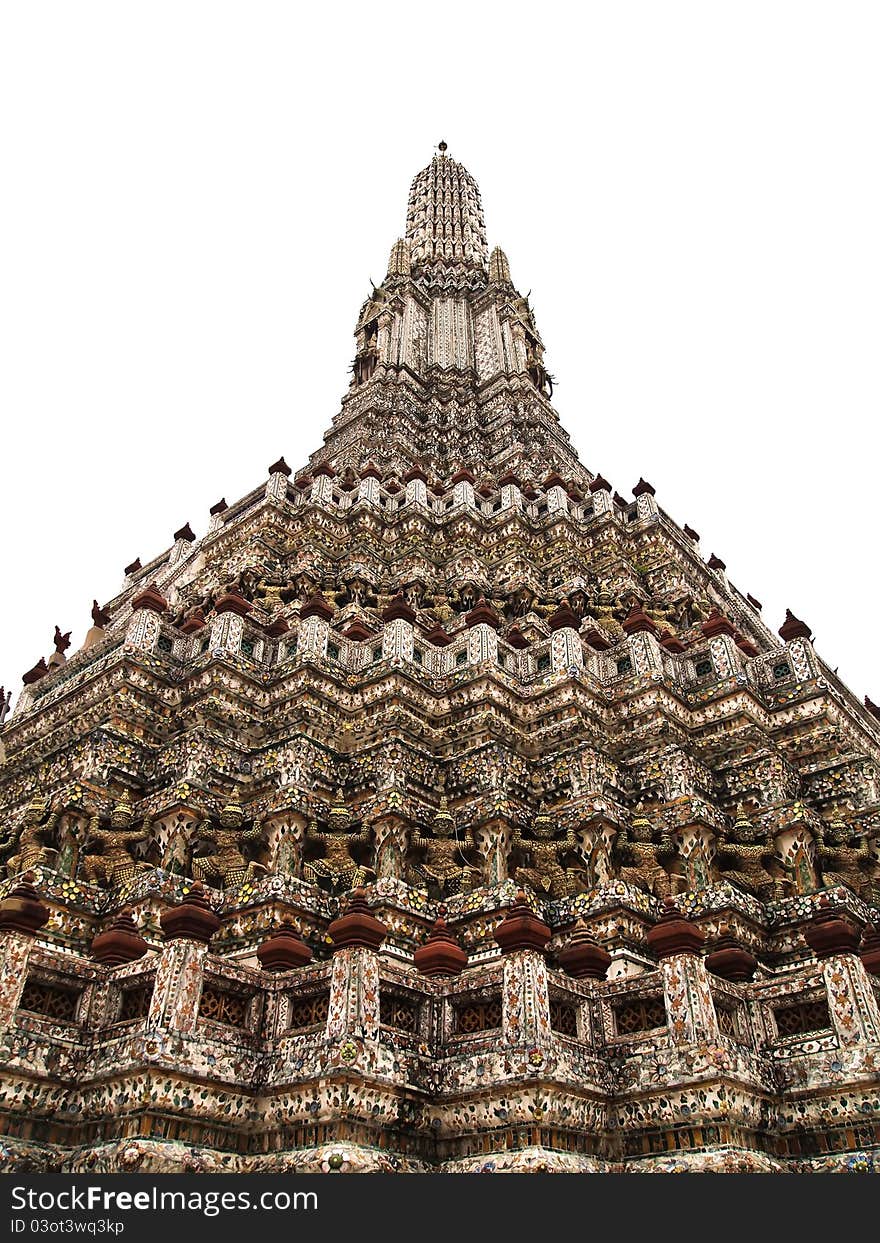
{"points": [[354, 994]]}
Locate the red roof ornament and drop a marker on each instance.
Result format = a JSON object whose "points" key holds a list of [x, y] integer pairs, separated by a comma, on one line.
{"points": [[399, 609], [598, 641], [280, 626], [219, 507], [673, 934], [23, 910], [284, 950], [756, 604], [715, 563], [638, 620], [873, 708], [280, 468], [829, 933], [671, 643], [462, 476], [509, 480], [371, 471], [316, 606], [150, 598], [730, 960], [441, 954], [415, 473], [746, 646], [642, 488], [133, 567], [565, 616], [483, 614], [232, 601], [192, 919], [600, 484], [554, 480], [521, 929], [358, 630], [357, 927], [691, 533], [121, 942], [438, 636], [582, 957], [324, 469], [185, 533], [516, 638], [39, 670], [716, 623], [793, 628]]}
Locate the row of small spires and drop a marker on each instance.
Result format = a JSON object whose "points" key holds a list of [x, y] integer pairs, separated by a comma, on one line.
{"points": [[637, 621], [581, 957]]}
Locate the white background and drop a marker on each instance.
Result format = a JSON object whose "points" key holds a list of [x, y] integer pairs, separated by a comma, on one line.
{"points": [[194, 197]]}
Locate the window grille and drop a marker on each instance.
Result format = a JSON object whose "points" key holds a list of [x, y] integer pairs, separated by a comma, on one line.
{"points": [[781, 671], [703, 668], [478, 1016], [399, 1012], [222, 1006], [729, 1019], [308, 1012], [563, 1017], [50, 1000], [135, 1003], [641, 1014], [803, 1017]]}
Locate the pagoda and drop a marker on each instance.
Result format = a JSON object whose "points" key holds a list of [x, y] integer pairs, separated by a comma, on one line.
{"points": [[439, 807]]}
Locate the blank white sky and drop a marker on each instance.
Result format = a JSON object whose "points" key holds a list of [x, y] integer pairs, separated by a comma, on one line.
{"points": [[195, 195]]}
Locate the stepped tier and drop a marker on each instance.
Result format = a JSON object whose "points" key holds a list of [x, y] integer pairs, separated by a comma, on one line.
{"points": [[445, 665]]}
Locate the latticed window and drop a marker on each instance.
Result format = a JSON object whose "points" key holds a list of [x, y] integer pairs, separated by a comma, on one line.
{"points": [[223, 1006], [563, 1017], [135, 1003], [781, 671], [164, 644], [478, 1016], [50, 1000], [399, 1012], [624, 665], [729, 1019], [803, 1017], [703, 668], [641, 1014], [308, 1012]]}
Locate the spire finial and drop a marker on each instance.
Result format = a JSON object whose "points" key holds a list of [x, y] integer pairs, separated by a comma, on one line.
{"points": [[442, 147]]}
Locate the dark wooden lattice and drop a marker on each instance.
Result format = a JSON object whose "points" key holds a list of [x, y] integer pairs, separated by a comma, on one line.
{"points": [[399, 1012], [50, 1000], [308, 1012], [478, 1016], [563, 1017], [641, 1014], [729, 1019], [223, 1006], [135, 1003], [802, 1017]]}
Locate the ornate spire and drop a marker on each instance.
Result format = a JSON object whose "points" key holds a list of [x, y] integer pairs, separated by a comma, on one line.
{"points": [[444, 218]]}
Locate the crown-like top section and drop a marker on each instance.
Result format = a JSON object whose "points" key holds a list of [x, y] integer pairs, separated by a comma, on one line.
{"points": [[444, 218]]}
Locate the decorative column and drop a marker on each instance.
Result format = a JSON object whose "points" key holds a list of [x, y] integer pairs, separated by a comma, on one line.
{"points": [[227, 628], [484, 624], [354, 980], [723, 652], [183, 541], [511, 492], [556, 495], [690, 1011], [525, 996], [646, 506], [177, 990], [397, 635], [22, 914], [463, 489], [600, 490], [852, 1001], [368, 489], [566, 649], [322, 484], [416, 487], [146, 610], [314, 628], [645, 651], [276, 488], [798, 639]]}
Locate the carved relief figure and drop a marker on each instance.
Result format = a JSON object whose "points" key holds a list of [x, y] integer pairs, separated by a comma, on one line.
{"points": [[227, 865], [106, 858], [445, 869], [746, 857], [337, 870], [32, 838], [546, 873], [645, 855]]}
